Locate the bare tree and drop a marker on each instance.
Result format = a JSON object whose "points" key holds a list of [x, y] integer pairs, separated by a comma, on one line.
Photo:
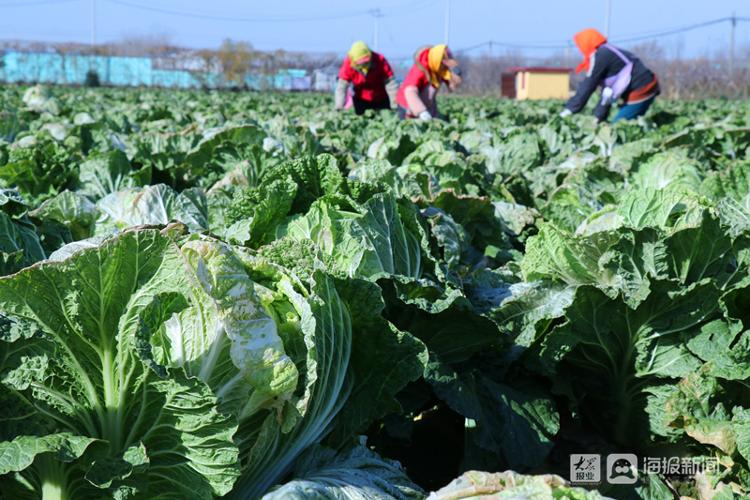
{"points": [[158, 44], [235, 59]]}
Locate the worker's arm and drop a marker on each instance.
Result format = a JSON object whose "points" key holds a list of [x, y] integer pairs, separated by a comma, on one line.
{"points": [[605, 103], [340, 96], [413, 101], [456, 79], [587, 87], [391, 88]]}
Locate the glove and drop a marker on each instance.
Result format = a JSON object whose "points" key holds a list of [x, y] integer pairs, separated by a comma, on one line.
{"points": [[565, 112], [425, 116]]}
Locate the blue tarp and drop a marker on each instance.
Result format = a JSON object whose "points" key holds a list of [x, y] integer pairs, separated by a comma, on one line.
{"points": [[71, 69], [44, 67]]}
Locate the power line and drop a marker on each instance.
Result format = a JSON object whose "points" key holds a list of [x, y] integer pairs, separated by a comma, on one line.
{"points": [[627, 39], [288, 19], [509, 45], [213, 17], [674, 31], [656, 31], [473, 47]]}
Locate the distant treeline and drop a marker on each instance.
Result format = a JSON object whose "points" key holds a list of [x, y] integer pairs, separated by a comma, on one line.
{"points": [[153, 61]]}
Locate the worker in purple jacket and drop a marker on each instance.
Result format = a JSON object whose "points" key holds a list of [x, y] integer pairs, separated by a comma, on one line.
{"points": [[620, 74]]}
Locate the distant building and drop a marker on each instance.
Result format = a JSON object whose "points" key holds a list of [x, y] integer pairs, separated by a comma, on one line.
{"points": [[324, 80], [536, 83]]}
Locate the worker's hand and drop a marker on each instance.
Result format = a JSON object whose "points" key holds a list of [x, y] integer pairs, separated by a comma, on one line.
{"points": [[565, 113], [425, 116], [456, 79]]}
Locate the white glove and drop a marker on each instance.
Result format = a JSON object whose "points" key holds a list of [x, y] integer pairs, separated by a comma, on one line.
{"points": [[425, 116], [565, 112]]}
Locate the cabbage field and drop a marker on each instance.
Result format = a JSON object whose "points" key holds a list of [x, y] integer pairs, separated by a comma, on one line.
{"points": [[252, 295]]}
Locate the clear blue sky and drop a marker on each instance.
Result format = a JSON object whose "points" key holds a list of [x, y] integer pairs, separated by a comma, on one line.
{"points": [[320, 26]]}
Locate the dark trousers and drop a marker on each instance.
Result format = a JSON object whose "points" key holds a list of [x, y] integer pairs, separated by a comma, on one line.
{"points": [[360, 105]]}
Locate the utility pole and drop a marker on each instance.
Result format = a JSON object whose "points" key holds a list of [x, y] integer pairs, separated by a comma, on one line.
{"points": [[607, 17], [93, 23], [376, 14], [490, 42], [733, 29], [447, 28]]}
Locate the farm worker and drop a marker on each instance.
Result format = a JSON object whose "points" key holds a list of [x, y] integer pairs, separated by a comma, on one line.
{"points": [[620, 74], [432, 67], [372, 78]]}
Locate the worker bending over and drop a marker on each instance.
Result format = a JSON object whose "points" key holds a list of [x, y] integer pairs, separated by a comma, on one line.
{"points": [[620, 74], [417, 96], [372, 78]]}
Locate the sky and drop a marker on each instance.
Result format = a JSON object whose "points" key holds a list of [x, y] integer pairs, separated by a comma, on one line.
{"points": [[403, 25]]}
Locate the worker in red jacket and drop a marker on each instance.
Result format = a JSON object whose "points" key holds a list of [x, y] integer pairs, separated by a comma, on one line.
{"points": [[620, 74], [433, 66], [372, 78]]}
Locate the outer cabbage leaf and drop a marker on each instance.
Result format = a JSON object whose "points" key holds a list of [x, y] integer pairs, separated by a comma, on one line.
{"points": [[353, 474], [255, 213], [529, 310], [76, 348], [625, 261], [227, 338], [384, 239], [106, 174], [41, 167], [158, 204], [321, 347], [384, 359], [610, 351], [670, 207], [671, 168], [19, 244], [71, 209], [556, 255], [49, 452], [286, 189], [735, 215], [511, 485], [515, 425]]}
